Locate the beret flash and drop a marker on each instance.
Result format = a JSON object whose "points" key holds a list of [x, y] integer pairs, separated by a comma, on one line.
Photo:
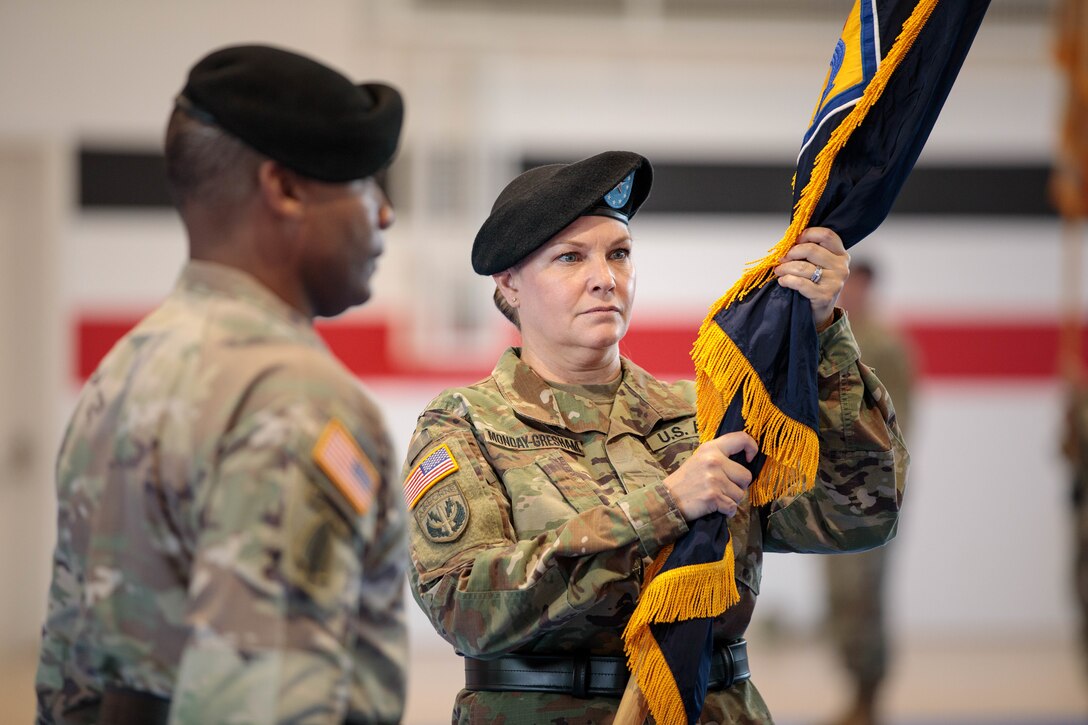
{"points": [[296, 111], [541, 202]]}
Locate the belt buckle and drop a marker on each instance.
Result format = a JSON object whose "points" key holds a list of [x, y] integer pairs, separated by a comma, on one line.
{"points": [[725, 654], [579, 684]]}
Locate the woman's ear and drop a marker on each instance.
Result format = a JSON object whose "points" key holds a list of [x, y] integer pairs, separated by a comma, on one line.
{"points": [[281, 189], [507, 284]]}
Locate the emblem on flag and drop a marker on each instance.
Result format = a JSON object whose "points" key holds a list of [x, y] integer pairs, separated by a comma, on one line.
{"points": [[435, 466], [343, 461], [854, 62]]}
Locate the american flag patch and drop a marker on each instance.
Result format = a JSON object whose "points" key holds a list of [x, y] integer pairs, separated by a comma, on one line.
{"points": [[340, 457], [435, 466]]}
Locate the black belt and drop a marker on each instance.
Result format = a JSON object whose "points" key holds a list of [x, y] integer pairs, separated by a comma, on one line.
{"points": [[120, 706], [586, 676], [131, 707]]}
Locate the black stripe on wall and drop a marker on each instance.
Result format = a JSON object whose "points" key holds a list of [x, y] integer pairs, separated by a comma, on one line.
{"points": [[118, 179], [137, 179], [126, 179], [728, 188]]}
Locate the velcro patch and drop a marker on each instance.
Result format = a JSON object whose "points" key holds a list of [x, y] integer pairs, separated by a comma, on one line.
{"points": [[445, 518], [670, 434], [533, 441], [343, 461], [436, 465]]}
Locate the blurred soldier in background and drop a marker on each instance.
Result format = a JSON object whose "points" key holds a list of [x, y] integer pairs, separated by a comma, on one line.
{"points": [[229, 546], [856, 582]]}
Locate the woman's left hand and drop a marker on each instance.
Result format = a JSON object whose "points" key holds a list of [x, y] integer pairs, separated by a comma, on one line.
{"points": [[817, 267]]}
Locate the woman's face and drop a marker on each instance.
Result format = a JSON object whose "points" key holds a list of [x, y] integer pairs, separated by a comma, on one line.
{"points": [[577, 290]]}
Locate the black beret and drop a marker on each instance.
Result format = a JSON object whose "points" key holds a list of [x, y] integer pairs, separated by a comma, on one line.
{"points": [[541, 202], [296, 111]]}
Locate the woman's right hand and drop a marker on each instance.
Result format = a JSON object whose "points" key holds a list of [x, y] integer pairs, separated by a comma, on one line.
{"points": [[708, 481]]}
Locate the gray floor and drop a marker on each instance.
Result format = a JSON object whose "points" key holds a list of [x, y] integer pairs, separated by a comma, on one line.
{"points": [[1031, 682], [936, 682]]}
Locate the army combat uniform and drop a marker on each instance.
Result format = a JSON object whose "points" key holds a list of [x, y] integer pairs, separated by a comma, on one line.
{"points": [[534, 509], [229, 544], [856, 582]]}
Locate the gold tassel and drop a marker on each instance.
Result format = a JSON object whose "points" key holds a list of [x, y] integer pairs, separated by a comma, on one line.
{"points": [[792, 448], [656, 682], [690, 592]]}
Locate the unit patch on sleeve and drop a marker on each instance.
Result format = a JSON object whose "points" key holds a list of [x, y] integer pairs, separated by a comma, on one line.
{"points": [[435, 466], [445, 517], [343, 461]]}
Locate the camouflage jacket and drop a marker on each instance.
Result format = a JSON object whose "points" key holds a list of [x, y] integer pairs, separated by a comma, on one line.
{"points": [[534, 538], [227, 534], [892, 356]]}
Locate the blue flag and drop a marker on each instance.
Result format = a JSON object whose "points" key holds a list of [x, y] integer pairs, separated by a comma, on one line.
{"points": [[757, 351]]}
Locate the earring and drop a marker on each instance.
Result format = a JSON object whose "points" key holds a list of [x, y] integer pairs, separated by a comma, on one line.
{"points": [[514, 301]]}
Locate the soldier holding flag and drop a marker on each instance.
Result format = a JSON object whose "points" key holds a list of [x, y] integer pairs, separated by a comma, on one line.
{"points": [[539, 495]]}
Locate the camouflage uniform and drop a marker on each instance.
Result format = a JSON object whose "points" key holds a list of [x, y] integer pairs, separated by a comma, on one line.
{"points": [[204, 555], [537, 542], [855, 582]]}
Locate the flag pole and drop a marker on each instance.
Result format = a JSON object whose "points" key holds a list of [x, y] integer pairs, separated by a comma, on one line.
{"points": [[1067, 185], [1069, 349], [633, 707]]}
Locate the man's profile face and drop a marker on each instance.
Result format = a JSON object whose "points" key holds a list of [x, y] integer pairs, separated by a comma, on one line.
{"points": [[345, 224]]}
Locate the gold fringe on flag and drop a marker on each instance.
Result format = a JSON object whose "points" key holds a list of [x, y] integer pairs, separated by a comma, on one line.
{"points": [[655, 680], [690, 592], [792, 449]]}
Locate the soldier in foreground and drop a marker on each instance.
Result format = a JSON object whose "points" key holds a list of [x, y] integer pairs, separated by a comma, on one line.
{"points": [[539, 495], [230, 548]]}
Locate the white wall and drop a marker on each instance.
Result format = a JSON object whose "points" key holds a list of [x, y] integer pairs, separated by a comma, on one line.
{"points": [[985, 540]]}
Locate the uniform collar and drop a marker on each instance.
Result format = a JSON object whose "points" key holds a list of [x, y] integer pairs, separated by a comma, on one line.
{"points": [[211, 278], [642, 401]]}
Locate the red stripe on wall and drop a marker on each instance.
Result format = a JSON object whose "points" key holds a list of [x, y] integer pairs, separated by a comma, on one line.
{"points": [[94, 338], [971, 349], [948, 349]]}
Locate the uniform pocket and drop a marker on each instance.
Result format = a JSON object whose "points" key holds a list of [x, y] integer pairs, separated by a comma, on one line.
{"points": [[546, 493], [581, 491]]}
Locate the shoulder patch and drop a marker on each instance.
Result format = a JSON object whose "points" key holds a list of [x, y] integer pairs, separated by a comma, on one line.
{"points": [[343, 461], [435, 466], [315, 556], [445, 519], [422, 440]]}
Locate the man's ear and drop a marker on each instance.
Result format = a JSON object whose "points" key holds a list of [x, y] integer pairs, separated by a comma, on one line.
{"points": [[281, 190]]}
